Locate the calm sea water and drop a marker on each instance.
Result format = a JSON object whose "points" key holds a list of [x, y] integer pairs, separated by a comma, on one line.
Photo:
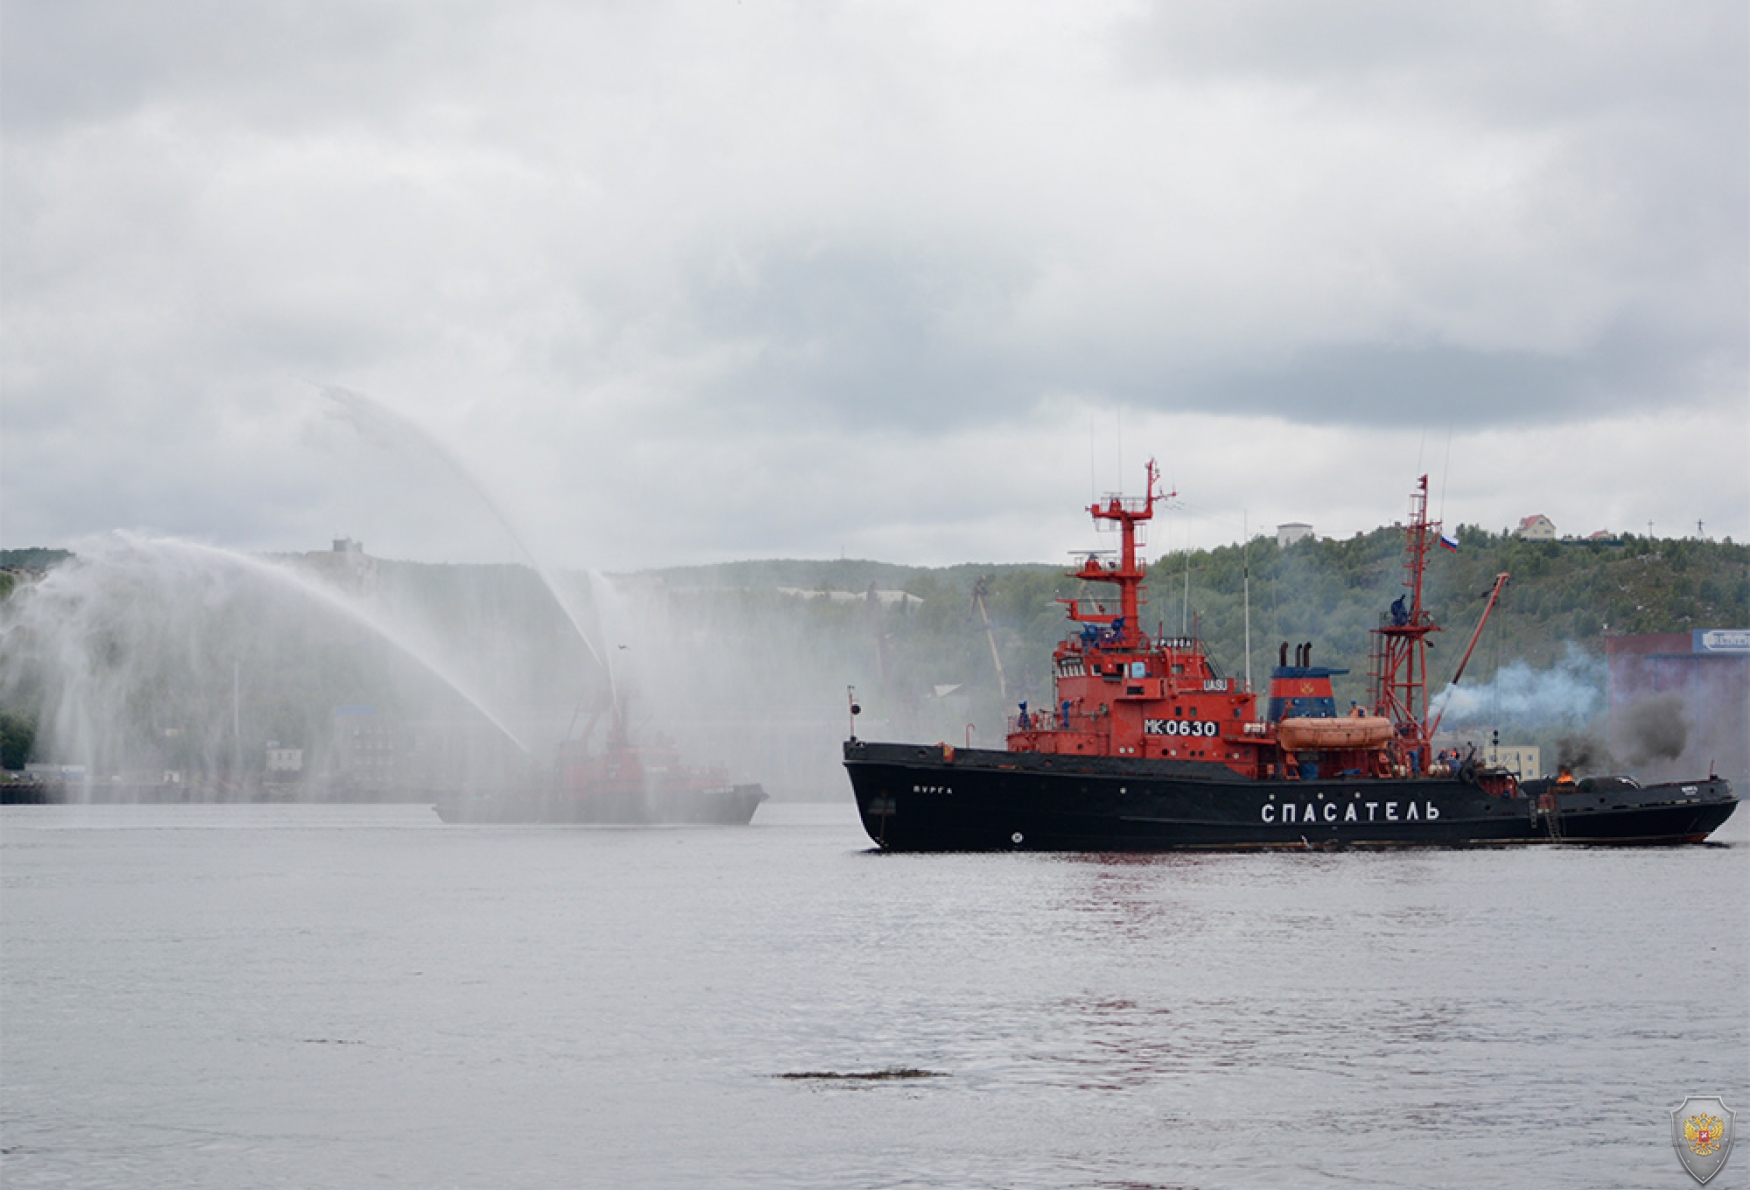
{"points": [[312, 996]]}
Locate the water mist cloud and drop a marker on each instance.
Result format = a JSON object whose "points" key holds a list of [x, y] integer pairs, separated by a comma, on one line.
{"points": [[146, 655]]}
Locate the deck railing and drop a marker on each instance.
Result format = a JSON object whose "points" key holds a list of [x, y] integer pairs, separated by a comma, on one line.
{"points": [[1038, 721]]}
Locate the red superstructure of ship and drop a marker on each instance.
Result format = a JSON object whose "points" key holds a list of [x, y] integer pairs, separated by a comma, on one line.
{"points": [[1124, 692]]}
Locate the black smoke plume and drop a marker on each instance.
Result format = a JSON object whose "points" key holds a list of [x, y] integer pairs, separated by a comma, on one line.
{"points": [[1656, 728]]}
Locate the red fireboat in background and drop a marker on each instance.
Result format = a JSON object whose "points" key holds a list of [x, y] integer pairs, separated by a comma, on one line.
{"points": [[619, 783]]}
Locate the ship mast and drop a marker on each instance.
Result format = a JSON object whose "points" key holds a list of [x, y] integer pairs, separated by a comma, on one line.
{"points": [[1401, 656], [1127, 573]]}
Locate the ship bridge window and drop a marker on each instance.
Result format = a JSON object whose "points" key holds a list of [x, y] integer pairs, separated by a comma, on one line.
{"points": [[1138, 669]]}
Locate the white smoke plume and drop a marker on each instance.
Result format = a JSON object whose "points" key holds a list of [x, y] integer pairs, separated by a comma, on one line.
{"points": [[1568, 694]]}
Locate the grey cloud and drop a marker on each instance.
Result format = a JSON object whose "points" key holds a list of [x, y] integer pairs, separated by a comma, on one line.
{"points": [[854, 338], [83, 61], [1383, 384], [724, 228], [1524, 63], [861, 335], [1640, 111]]}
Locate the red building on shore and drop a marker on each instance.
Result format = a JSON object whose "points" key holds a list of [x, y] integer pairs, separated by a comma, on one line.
{"points": [[1682, 696]]}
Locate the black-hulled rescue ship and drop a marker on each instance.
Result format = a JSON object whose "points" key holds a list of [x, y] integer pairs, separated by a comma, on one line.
{"points": [[1146, 747]]}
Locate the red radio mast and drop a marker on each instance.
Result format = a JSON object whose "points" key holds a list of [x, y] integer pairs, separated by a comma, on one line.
{"points": [[1400, 659]]}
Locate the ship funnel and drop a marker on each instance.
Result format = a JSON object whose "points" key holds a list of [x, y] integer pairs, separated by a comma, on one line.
{"points": [[1301, 690]]}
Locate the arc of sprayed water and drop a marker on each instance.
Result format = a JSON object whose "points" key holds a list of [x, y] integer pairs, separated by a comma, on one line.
{"points": [[368, 413], [334, 601]]}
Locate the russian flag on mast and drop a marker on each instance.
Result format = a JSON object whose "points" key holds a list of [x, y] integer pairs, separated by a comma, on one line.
{"points": [[1449, 541]]}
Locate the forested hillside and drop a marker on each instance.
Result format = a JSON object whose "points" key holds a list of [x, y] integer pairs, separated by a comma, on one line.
{"points": [[751, 661], [1330, 592]]}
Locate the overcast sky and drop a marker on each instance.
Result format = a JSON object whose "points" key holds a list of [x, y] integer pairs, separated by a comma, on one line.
{"points": [[702, 281]]}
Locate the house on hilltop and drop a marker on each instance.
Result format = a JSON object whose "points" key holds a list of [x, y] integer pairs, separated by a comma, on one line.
{"points": [[1536, 527]]}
